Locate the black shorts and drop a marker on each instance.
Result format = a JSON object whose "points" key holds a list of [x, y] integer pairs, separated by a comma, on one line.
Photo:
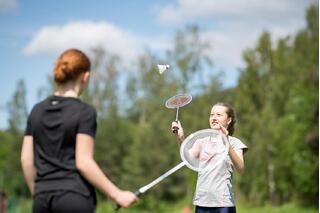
{"points": [[62, 202], [200, 209]]}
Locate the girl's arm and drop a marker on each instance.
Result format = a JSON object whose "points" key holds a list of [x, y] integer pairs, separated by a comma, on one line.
{"points": [[88, 167], [237, 158], [27, 162], [235, 155]]}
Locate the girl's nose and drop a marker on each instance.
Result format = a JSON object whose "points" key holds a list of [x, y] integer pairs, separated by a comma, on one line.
{"points": [[213, 117]]}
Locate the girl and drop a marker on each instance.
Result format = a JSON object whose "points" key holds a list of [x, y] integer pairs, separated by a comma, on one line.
{"points": [[214, 192], [58, 146]]}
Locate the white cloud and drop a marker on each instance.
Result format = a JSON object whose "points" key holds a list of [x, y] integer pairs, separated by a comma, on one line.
{"points": [[230, 42], [186, 10], [8, 5], [233, 26], [85, 35]]}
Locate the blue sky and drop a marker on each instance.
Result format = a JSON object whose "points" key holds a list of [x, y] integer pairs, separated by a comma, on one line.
{"points": [[33, 33]]}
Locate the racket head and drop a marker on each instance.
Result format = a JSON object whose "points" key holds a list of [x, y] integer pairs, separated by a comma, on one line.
{"points": [[203, 149], [179, 100]]}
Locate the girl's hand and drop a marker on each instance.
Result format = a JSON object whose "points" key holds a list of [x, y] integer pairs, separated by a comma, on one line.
{"points": [[180, 134], [125, 199], [224, 130], [225, 139]]}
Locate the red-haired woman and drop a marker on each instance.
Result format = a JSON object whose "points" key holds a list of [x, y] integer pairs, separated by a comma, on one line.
{"points": [[58, 146]]}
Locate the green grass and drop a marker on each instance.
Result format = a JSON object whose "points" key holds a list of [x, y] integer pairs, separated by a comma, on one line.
{"points": [[19, 206], [287, 208], [105, 207], [24, 206]]}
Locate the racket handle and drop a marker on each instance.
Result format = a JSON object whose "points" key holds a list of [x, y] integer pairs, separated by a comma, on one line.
{"points": [[175, 129], [137, 193]]}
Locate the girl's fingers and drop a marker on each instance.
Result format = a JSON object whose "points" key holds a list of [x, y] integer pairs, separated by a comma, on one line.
{"points": [[223, 129], [176, 123]]}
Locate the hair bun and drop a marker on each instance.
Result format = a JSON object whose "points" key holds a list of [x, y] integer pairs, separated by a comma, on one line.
{"points": [[70, 65], [64, 67], [60, 72]]}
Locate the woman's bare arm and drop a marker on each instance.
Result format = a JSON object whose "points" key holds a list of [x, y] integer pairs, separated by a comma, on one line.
{"points": [[88, 167], [27, 162]]}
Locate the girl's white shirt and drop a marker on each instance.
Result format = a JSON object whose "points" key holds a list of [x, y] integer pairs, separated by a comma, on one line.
{"points": [[214, 184]]}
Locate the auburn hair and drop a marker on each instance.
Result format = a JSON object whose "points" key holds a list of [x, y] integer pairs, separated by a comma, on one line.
{"points": [[70, 65]]}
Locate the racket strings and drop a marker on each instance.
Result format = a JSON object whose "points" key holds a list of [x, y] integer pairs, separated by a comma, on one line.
{"points": [[203, 149]]}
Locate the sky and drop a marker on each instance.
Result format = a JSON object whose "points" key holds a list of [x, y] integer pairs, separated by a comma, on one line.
{"points": [[33, 33]]}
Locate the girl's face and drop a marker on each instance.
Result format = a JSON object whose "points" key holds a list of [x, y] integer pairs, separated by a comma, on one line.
{"points": [[218, 115]]}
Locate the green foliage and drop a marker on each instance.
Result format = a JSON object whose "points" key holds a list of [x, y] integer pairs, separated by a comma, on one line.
{"points": [[17, 109], [11, 178], [277, 104]]}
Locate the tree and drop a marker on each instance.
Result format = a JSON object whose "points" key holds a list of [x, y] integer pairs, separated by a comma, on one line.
{"points": [[12, 140], [277, 117], [17, 109]]}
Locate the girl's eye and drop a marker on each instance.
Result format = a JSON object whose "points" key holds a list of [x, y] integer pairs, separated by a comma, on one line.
{"points": [[217, 114]]}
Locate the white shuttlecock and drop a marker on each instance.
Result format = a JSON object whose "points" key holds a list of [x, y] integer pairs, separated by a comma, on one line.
{"points": [[163, 67]]}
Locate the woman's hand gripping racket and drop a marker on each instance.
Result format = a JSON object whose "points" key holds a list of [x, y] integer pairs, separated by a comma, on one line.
{"points": [[176, 102], [193, 157]]}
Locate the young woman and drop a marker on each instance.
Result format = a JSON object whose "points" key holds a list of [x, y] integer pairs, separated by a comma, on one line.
{"points": [[214, 192], [58, 146]]}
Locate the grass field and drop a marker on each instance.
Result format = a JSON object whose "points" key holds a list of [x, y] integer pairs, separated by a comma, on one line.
{"points": [[24, 206], [287, 208]]}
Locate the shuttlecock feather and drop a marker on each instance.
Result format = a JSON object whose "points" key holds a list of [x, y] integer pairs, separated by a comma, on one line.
{"points": [[163, 67]]}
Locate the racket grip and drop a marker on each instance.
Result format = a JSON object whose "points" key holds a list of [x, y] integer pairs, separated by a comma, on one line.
{"points": [[117, 206], [137, 193], [175, 129]]}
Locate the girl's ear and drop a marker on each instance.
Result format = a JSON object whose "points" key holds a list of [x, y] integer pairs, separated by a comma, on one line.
{"points": [[229, 121], [86, 77]]}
